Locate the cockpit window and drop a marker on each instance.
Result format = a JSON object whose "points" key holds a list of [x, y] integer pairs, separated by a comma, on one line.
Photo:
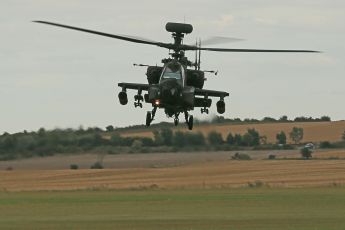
{"points": [[172, 73]]}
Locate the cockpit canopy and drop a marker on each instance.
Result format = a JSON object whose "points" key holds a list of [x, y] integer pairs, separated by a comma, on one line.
{"points": [[173, 70]]}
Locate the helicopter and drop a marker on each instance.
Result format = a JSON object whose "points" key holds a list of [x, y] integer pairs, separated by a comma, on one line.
{"points": [[177, 86]]}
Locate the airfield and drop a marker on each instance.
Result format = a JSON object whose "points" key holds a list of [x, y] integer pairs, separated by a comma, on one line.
{"points": [[202, 190]]}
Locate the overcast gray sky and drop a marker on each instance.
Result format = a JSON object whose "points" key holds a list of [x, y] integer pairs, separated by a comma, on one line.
{"points": [[53, 77]]}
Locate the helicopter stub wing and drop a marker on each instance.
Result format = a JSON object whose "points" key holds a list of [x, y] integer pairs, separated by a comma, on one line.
{"points": [[210, 93], [137, 86]]}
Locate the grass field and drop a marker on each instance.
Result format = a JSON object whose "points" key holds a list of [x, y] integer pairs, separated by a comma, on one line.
{"points": [[313, 131], [242, 208]]}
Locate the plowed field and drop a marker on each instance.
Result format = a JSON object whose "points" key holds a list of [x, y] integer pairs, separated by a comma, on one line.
{"points": [[279, 173]]}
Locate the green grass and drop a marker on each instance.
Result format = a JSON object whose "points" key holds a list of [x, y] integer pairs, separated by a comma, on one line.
{"points": [[247, 208]]}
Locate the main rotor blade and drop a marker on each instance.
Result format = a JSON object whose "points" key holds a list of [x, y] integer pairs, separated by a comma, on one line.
{"points": [[256, 50], [121, 37], [219, 40]]}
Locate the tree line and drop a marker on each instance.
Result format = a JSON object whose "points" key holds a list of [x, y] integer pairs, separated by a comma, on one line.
{"points": [[222, 120]]}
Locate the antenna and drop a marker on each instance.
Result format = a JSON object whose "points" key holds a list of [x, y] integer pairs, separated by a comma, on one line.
{"points": [[199, 61], [196, 55]]}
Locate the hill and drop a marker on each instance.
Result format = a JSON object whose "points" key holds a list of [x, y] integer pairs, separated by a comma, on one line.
{"points": [[313, 131]]}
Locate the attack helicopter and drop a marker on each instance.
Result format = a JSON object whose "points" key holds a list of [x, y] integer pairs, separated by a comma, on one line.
{"points": [[177, 85]]}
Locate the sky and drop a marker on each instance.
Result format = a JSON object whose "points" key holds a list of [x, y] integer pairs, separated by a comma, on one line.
{"points": [[57, 78]]}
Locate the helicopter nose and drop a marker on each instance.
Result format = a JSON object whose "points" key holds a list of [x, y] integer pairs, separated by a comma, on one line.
{"points": [[170, 91], [173, 91]]}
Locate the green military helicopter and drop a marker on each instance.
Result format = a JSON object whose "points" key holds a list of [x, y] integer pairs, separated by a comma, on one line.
{"points": [[177, 85]]}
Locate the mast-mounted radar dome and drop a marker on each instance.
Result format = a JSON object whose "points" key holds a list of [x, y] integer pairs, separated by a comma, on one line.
{"points": [[180, 28]]}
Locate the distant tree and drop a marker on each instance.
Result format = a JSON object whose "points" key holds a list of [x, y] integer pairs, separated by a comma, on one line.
{"points": [[98, 139], [306, 153], [263, 140], [296, 134], [238, 140], [109, 128], [325, 145], [271, 157], [116, 140], [97, 165], [179, 139], [194, 138], [343, 136], [157, 137], [41, 132], [325, 118], [167, 136], [74, 166], [230, 139], [241, 156], [268, 119], [251, 138], [8, 143], [217, 119], [215, 138], [281, 138], [283, 118], [137, 144], [147, 141]]}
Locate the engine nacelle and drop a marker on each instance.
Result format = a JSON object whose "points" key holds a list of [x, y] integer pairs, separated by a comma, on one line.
{"points": [[221, 107], [123, 98], [153, 74], [195, 78]]}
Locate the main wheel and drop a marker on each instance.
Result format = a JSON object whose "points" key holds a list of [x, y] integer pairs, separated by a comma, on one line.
{"points": [[148, 118], [175, 122], [190, 122]]}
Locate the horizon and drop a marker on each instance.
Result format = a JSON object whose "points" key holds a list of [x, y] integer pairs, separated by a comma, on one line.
{"points": [[197, 122]]}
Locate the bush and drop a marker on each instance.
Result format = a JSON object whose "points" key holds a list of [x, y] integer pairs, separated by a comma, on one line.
{"points": [[230, 139], [215, 138], [240, 156], [296, 134], [281, 138], [256, 184], [74, 166], [271, 157], [166, 136], [97, 165], [306, 153], [251, 138], [325, 145]]}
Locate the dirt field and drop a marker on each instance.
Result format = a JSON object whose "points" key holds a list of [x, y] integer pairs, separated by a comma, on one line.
{"points": [[152, 160], [313, 131], [218, 174]]}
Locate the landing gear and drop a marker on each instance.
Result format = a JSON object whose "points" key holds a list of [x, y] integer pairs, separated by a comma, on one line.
{"points": [[150, 116], [189, 120], [176, 120]]}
